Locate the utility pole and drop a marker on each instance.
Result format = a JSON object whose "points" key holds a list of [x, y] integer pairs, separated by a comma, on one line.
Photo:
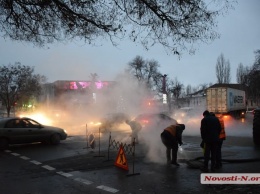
{"points": [[164, 91], [164, 84]]}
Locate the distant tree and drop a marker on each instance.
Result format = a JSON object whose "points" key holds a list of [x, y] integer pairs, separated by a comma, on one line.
{"points": [[203, 87], [242, 73], [166, 22], [253, 78], [176, 89], [136, 67], [188, 93], [223, 70], [250, 77], [93, 77], [18, 82], [146, 72], [227, 76], [188, 89]]}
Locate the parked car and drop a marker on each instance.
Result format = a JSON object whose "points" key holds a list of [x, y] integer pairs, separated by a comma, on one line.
{"points": [[184, 112], [16, 130], [109, 122], [154, 121]]}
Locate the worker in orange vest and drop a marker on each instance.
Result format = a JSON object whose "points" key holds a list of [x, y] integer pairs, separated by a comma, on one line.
{"points": [[222, 137], [172, 137]]}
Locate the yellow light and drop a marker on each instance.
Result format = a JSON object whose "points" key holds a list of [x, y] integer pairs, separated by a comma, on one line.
{"points": [[39, 117], [93, 123], [179, 121]]}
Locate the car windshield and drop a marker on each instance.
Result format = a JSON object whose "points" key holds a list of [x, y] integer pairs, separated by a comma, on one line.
{"points": [[30, 123]]}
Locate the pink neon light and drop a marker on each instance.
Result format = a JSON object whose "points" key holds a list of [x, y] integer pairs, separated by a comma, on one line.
{"points": [[83, 85], [99, 85]]}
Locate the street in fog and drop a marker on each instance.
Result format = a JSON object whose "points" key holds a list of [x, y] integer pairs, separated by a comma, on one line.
{"points": [[72, 167]]}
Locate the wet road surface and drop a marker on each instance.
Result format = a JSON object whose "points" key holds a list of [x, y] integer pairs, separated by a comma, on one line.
{"points": [[71, 167], [92, 170]]}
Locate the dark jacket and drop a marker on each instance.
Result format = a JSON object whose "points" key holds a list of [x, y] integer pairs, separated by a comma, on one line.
{"points": [[210, 129]]}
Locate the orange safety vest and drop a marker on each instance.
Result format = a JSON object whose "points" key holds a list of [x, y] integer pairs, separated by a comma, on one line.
{"points": [[172, 130], [222, 134]]}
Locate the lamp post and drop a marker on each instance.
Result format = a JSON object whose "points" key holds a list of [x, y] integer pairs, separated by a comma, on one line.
{"points": [[13, 88], [164, 83], [164, 90]]}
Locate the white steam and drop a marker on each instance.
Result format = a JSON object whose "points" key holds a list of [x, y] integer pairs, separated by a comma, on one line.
{"points": [[72, 113]]}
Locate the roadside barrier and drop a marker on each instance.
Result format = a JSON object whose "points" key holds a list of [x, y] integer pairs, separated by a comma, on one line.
{"points": [[91, 143], [127, 148], [90, 138], [99, 144]]}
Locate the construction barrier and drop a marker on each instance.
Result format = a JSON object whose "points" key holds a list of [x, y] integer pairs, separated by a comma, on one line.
{"points": [[90, 138], [99, 132], [123, 149]]}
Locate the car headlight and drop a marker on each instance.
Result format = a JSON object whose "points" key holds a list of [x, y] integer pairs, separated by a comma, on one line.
{"points": [[95, 123]]}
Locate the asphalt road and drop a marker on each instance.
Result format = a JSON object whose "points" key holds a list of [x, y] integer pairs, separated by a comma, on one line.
{"points": [[72, 167]]}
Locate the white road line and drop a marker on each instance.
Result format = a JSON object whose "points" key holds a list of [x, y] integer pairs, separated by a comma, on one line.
{"points": [[24, 157], [35, 162], [15, 154], [87, 182], [48, 167], [109, 189], [84, 181], [64, 174]]}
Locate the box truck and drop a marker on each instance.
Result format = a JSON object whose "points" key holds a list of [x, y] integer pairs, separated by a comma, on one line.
{"points": [[226, 100]]}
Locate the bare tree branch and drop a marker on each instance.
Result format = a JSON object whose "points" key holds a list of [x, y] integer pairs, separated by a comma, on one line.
{"points": [[173, 24]]}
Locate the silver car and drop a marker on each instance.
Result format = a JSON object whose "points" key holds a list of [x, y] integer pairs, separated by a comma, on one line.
{"points": [[18, 130]]}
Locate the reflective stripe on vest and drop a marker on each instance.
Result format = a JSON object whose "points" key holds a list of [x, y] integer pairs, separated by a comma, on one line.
{"points": [[222, 134]]}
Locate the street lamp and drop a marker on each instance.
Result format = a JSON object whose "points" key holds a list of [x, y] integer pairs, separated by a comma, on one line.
{"points": [[13, 88], [164, 83], [164, 89]]}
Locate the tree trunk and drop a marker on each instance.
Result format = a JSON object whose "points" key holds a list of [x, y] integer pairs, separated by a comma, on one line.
{"points": [[8, 109]]}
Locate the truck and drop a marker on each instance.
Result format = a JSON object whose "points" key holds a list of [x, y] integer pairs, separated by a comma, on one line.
{"points": [[226, 99]]}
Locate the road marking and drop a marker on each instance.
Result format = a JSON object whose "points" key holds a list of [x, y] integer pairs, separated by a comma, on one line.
{"points": [[64, 174], [35, 162], [67, 175], [48, 167], [15, 154], [24, 157], [109, 189], [87, 182]]}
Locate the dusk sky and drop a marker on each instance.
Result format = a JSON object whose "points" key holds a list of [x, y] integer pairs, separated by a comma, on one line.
{"points": [[240, 37]]}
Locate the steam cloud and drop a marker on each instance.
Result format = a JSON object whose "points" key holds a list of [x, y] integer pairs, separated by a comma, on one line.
{"points": [[128, 95]]}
